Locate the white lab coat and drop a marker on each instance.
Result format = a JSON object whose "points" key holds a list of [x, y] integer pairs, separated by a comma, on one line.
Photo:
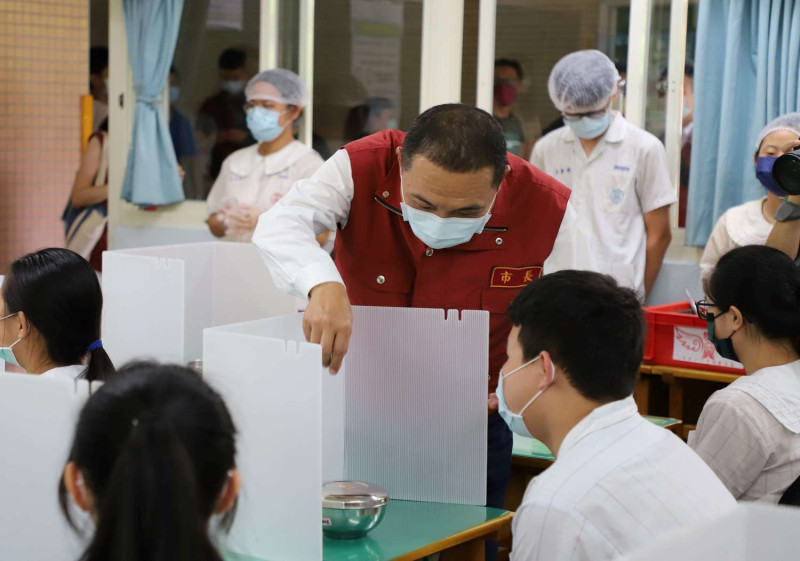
{"points": [[248, 178], [749, 433], [625, 177], [618, 484], [739, 226]]}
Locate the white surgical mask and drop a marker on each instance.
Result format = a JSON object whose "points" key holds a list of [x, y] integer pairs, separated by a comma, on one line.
{"points": [[590, 127], [441, 233], [7, 353], [514, 420]]}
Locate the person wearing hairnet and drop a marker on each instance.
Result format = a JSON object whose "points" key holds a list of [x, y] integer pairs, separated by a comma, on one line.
{"points": [[253, 179], [752, 222], [617, 172]]}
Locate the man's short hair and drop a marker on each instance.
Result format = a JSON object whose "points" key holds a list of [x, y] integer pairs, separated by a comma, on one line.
{"points": [[458, 138], [510, 63], [593, 329], [232, 59]]}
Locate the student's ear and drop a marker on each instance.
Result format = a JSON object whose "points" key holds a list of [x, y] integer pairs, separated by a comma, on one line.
{"points": [[737, 318], [227, 498], [76, 487], [549, 370], [399, 152]]}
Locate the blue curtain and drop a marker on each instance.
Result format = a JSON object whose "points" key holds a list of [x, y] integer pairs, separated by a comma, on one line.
{"points": [[151, 177], [747, 67]]}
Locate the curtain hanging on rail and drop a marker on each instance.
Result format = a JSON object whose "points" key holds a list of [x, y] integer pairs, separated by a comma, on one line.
{"points": [[151, 177], [747, 69]]}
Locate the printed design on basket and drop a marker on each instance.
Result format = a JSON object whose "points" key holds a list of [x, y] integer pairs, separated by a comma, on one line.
{"points": [[692, 345]]}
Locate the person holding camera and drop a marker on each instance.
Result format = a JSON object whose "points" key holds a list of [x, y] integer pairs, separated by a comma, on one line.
{"points": [[751, 223]]}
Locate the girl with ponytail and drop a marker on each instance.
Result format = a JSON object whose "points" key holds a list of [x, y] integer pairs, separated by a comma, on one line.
{"points": [[152, 461], [749, 432], [50, 311]]}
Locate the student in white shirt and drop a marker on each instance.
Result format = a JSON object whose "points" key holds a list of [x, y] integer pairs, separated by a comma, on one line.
{"points": [[749, 432], [617, 172], [50, 310], [751, 223], [152, 461], [253, 179], [618, 482]]}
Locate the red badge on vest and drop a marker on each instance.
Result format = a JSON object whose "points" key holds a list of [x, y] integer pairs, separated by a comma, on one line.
{"points": [[510, 277]]}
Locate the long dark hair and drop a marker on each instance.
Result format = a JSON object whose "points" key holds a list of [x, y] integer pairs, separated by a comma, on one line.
{"points": [[155, 446], [765, 285], [60, 295]]}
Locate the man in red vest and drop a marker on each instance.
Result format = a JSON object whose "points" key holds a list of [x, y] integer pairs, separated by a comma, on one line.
{"points": [[440, 217]]}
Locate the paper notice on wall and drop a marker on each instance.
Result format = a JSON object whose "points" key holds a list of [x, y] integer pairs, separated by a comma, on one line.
{"points": [[691, 344], [225, 14], [376, 34]]}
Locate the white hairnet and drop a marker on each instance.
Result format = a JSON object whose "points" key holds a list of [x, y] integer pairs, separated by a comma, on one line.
{"points": [[787, 122], [582, 82], [283, 86]]}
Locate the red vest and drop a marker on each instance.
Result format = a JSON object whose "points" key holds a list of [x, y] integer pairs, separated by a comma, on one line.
{"points": [[383, 263]]}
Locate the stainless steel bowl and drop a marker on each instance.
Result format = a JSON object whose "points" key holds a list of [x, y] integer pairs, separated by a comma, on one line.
{"points": [[350, 509]]}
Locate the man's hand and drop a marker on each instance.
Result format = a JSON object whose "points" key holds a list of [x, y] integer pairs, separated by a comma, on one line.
{"points": [[328, 321], [494, 403]]}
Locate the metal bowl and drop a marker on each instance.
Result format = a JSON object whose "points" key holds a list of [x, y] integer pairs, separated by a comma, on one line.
{"points": [[350, 509]]}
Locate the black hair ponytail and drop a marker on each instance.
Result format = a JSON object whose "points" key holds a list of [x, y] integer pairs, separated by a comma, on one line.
{"points": [[60, 295], [765, 285], [155, 446]]}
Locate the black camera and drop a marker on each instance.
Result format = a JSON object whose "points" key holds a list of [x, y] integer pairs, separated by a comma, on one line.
{"points": [[786, 171]]}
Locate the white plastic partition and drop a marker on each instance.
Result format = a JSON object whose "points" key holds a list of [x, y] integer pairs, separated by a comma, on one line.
{"points": [[751, 531], [408, 410], [158, 300], [37, 422], [273, 387]]}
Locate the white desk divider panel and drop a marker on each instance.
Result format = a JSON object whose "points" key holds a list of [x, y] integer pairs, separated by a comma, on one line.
{"points": [[751, 531], [2, 362], [408, 411], [37, 424], [158, 300], [273, 387], [416, 403]]}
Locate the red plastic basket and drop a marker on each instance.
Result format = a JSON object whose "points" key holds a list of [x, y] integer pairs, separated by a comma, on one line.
{"points": [[677, 337]]}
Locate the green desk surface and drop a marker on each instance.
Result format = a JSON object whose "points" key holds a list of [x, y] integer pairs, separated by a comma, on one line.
{"points": [[407, 526], [532, 448]]}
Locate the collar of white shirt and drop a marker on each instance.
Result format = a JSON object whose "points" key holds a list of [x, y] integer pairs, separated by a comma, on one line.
{"points": [[777, 388], [615, 133], [244, 162], [602, 417], [69, 372]]}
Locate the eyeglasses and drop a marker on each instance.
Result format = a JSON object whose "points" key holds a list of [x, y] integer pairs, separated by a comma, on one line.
{"points": [[266, 104], [578, 116], [703, 311]]}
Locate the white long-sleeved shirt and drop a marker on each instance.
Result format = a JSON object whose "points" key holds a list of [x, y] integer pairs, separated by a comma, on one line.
{"points": [[285, 235], [619, 482], [749, 433]]}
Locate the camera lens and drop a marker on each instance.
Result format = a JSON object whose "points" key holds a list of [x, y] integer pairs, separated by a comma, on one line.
{"points": [[786, 172]]}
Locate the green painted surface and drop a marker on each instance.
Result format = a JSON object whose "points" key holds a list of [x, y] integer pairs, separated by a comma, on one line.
{"points": [[406, 527], [532, 448]]}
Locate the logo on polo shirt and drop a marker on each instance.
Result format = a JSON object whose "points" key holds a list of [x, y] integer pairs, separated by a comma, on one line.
{"points": [[514, 277]]}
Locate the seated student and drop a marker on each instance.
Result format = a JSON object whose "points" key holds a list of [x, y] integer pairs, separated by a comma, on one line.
{"points": [[152, 460], [749, 432], [50, 311], [618, 481], [752, 222]]}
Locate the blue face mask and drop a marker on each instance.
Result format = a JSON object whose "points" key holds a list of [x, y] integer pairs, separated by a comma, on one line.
{"points": [[724, 346], [7, 353], [233, 87], [590, 127], [264, 123], [764, 175], [515, 421], [441, 233], [174, 92]]}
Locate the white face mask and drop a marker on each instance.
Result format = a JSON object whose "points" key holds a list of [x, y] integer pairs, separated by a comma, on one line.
{"points": [[514, 420], [441, 233], [7, 353]]}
